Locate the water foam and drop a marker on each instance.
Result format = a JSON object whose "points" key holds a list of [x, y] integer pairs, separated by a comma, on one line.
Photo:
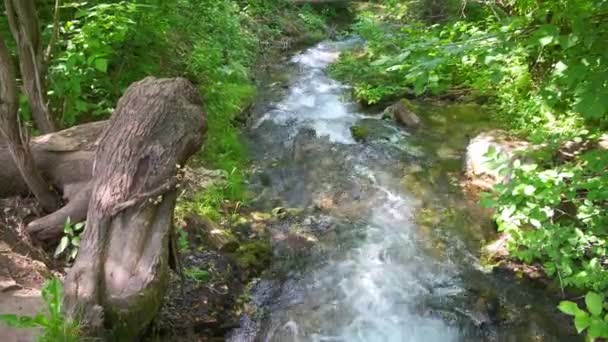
{"points": [[315, 100]]}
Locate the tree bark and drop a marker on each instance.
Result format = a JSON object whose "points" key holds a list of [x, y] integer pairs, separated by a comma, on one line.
{"points": [[23, 22], [14, 137], [119, 277]]}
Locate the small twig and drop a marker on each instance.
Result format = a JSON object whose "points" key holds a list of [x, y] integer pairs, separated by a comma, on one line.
{"points": [[463, 9], [561, 284]]}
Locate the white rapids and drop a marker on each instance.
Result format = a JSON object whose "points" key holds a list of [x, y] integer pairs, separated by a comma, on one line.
{"points": [[367, 295]]}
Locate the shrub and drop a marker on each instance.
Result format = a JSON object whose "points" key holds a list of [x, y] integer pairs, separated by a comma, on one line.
{"points": [[53, 324]]}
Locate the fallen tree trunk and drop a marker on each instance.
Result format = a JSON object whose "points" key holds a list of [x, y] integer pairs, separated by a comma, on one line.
{"points": [[119, 277], [65, 159]]}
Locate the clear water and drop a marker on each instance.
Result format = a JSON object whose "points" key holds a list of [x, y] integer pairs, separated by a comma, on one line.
{"points": [[373, 277]]}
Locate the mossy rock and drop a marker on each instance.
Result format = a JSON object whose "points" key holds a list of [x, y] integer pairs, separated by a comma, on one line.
{"points": [[359, 133], [370, 129], [253, 257]]}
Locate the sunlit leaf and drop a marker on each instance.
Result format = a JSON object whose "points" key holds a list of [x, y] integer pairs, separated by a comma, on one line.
{"points": [[582, 322], [594, 302], [569, 308], [63, 244], [101, 64]]}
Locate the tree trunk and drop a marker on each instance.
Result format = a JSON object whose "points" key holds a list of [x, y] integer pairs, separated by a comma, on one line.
{"points": [[119, 277], [23, 23], [14, 137]]}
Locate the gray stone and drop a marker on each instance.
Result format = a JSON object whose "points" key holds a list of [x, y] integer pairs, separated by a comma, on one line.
{"points": [[402, 112]]}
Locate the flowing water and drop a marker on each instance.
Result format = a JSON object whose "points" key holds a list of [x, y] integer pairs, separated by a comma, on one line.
{"points": [[384, 258]]}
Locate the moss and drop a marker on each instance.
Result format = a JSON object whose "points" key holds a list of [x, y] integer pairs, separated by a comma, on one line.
{"points": [[409, 105], [253, 257], [359, 133]]}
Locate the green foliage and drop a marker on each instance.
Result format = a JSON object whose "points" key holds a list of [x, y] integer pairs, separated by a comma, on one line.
{"points": [[197, 274], [593, 320], [70, 242], [253, 257], [555, 214], [313, 21], [183, 244], [222, 61], [53, 324], [78, 75], [545, 72]]}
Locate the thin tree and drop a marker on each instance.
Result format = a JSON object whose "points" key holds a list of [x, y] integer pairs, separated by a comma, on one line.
{"points": [[23, 23], [16, 138]]}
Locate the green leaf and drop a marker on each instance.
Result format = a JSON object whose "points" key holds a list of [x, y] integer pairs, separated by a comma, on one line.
{"points": [[101, 64], [569, 308], [582, 321], [63, 244], [503, 171], [18, 321], [598, 328], [592, 104], [594, 302], [487, 201], [52, 292], [73, 253], [41, 320], [546, 40], [81, 105], [491, 152], [529, 190], [76, 241], [67, 224], [79, 226]]}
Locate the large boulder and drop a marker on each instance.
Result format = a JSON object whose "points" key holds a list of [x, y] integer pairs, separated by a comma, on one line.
{"points": [[403, 113], [478, 169]]}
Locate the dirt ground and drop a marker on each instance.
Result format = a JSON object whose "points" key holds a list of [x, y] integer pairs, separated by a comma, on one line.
{"points": [[23, 268]]}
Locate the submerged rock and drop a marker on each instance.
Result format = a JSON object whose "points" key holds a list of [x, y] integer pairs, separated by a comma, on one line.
{"points": [[360, 133], [402, 112], [371, 129]]}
